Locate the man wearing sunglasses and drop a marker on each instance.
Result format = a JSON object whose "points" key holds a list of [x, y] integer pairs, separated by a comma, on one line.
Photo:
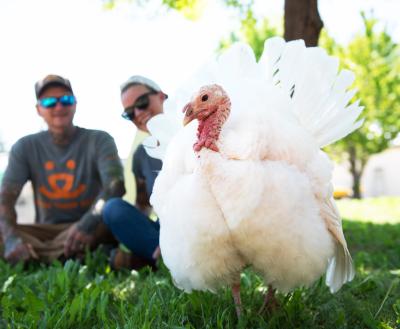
{"points": [[73, 172], [142, 99]]}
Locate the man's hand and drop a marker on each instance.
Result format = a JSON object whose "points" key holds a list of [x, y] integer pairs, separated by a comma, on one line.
{"points": [[76, 241], [16, 250]]}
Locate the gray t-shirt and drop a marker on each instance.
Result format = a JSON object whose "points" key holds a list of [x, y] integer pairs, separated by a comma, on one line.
{"points": [[66, 180]]}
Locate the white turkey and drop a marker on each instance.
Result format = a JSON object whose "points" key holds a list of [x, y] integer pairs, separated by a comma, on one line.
{"points": [[248, 185]]}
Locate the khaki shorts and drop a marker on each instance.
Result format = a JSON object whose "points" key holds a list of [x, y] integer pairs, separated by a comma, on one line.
{"points": [[48, 239]]}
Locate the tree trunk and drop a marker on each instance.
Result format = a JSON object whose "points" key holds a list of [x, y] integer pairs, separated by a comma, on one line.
{"points": [[302, 21], [356, 169]]}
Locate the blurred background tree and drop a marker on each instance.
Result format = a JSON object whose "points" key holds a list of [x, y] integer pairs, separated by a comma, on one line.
{"points": [[302, 21], [372, 55], [301, 17], [375, 59], [252, 31]]}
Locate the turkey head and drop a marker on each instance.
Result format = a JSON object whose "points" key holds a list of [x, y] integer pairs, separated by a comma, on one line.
{"points": [[211, 107]]}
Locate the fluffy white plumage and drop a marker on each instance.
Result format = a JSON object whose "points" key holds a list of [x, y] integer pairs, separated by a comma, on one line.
{"points": [[266, 198]]}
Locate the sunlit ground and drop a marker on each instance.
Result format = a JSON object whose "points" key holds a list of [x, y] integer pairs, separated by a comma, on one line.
{"points": [[376, 210]]}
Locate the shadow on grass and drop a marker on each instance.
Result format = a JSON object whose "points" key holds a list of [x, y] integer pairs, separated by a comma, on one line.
{"points": [[375, 246], [374, 295]]}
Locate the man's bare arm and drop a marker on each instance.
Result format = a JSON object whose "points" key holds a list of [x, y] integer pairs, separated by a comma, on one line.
{"points": [[142, 198], [8, 216], [14, 248]]}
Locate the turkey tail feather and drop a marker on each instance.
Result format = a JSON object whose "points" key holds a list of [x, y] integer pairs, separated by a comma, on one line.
{"points": [[318, 92], [340, 268]]}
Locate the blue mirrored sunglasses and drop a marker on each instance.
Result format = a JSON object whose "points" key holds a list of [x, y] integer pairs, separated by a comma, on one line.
{"points": [[65, 100]]}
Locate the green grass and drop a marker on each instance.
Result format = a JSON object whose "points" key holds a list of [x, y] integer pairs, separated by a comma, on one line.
{"points": [[92, 296]]}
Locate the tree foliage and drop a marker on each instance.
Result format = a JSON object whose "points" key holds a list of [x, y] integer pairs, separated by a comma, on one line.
{"points": [[252, 31], [301, 17], [374, 58], [191, 9]]}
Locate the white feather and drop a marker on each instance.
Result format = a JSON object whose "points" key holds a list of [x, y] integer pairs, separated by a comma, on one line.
{"points": [[266, 198]]}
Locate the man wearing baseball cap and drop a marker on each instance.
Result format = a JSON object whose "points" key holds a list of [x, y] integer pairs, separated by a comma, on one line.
{"points": [[73, 172], [142, 99]]}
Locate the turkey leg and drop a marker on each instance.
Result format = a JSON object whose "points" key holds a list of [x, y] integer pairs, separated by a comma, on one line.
{"points": [[236, 298], [270, 302]]}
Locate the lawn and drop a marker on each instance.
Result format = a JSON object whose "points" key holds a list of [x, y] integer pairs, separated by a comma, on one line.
{"points": [[72, 295]]}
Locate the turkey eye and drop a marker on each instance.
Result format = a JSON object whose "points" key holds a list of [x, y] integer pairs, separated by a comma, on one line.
{"points": [[204, 98]]}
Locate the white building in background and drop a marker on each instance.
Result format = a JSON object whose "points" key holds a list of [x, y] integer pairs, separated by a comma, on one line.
{"points": [[381, 176]]}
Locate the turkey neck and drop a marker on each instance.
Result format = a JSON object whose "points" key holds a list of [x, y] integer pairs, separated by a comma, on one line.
{"points": [[209, 129]]}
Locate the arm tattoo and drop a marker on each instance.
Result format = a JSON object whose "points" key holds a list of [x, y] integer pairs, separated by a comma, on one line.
{"points": [[8, 216]]}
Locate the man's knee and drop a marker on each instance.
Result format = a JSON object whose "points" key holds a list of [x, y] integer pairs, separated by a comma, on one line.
{"points": [[113, 210]]}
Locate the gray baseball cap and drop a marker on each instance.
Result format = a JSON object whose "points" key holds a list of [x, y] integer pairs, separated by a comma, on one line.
{"points": [[140, 80], [51, 80]]}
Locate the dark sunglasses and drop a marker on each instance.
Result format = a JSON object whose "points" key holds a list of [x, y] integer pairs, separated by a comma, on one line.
{"points": [[142, 103], [49, 102]]}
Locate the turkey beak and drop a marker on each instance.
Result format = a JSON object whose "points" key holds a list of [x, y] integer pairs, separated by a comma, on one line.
{"points": [[189, 114]]}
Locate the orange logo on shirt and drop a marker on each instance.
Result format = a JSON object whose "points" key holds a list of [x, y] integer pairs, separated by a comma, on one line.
{"points": [[61, 183]]}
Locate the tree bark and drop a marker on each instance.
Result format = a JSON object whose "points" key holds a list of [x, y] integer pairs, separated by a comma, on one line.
{"points": [[302, 21], [356, 169]]}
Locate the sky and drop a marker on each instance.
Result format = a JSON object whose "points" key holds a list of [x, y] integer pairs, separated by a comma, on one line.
{"points": [[98, 49]]}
